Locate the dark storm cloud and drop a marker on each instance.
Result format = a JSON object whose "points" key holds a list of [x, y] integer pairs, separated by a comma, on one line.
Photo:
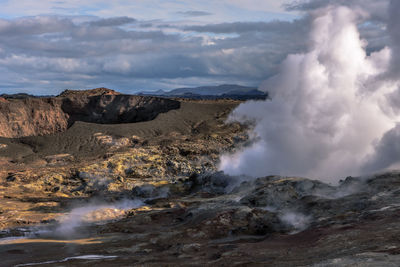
{"points": [[117, 21]]}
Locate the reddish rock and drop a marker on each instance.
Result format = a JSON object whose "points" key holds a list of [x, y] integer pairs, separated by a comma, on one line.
{"points": [[32, 116]]}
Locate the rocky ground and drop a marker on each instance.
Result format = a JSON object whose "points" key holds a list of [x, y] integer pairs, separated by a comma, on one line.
{"points": [[149, 194], [42, 176], [217, 220]]}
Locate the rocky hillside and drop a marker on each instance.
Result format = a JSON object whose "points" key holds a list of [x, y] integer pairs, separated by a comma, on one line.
{"points": [[32, 116], [42, 116], [110, 109]]}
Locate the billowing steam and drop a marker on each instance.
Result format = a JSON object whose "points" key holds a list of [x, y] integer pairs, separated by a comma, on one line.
{"points": [[92, 213], [333, 111]]}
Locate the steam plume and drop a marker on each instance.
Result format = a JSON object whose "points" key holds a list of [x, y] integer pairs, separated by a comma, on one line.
{"points": [[331, 114]]}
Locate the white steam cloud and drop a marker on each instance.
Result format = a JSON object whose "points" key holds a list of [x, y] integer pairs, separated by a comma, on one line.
{"points": [[331, 113], [92, 213]]}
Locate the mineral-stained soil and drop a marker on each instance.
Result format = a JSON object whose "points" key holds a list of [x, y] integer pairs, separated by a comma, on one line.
{"points": [[90, 158], [149, 194]]}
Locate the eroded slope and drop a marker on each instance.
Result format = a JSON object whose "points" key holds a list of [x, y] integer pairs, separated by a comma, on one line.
{"points": [[43, 116]]}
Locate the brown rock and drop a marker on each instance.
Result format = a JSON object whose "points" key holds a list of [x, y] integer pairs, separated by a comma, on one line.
{"points": [[32, 116], [59, 158], [42, 116], [111, 109]]}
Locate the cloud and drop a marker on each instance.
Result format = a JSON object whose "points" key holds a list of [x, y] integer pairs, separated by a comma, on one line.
{"points": [[393, 28], [386, 154], [372, 26], [112, 22], [44, 51], [194, 13], [282, 27], [34, 26], [377, 9], [387, 148], [90, 50]]}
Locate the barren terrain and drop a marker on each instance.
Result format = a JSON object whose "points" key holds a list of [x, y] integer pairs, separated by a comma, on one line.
{"points": [[149, 193]]}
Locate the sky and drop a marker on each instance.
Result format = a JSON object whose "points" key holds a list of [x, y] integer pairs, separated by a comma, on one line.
{"points": [[48, 46]]}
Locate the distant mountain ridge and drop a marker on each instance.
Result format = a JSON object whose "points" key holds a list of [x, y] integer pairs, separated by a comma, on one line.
{"points": [[18, 96], [213, 92], [228, 91]]}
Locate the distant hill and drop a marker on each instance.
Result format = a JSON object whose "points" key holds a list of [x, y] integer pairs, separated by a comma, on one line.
{"points": [[232, 91], [17, 96], [90, 92], [213, 90], [65, 93]]}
